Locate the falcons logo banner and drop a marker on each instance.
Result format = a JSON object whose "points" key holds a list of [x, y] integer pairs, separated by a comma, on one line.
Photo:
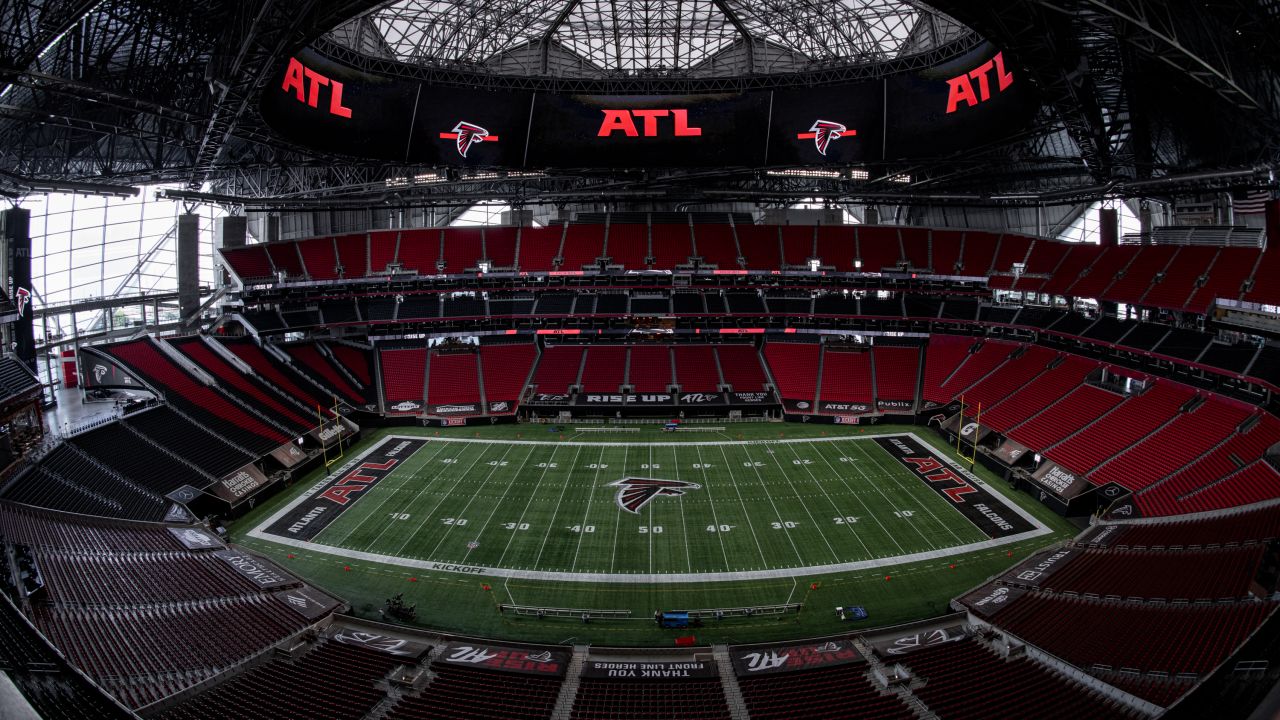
{"points": [[23, 296], [824, 132], [467, 134], [635, 493]]}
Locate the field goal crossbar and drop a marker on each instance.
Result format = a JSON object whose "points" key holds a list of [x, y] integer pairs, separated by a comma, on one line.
{"points": [[575, 613], [746, 611], [606, 429]]}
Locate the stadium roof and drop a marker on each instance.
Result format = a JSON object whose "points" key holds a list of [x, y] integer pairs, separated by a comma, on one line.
{"points": [[1134, 92], [649, 35]]}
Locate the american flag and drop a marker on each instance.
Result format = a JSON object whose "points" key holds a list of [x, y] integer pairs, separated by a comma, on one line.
{"points": [[1252, 202]]}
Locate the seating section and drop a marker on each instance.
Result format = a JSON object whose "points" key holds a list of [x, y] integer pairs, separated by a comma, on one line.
{"points": [[629, 246], [1147, 637], [943, 357], [419, 250], [1024, 400], [1079, 408], [1169, 276], [1215, 574], [463, 249], [1174, 446], [1244, 526], [833, 692], [672, 246], [1013, 376], [330, 680], [966, 680], [50, 686], [650, 368], [506, 368], [125, 469], [599, 699], [794, 367], [354, 359], [245, 386], [404, 377], [143, 616], [696, 368], [281, 375], [605, 368], [1137, 417], [846, 376], [583, 245], [1190, 489], [717, 245], [454, 378], [897, 372], [250, 263], [982, 362], [69, 480], [310, 360], [320, 257], [478, 694], [1225, 278], [539, 247], [1253, 483], [558, 369], [740, 365], [207, 405], [500, 246]]}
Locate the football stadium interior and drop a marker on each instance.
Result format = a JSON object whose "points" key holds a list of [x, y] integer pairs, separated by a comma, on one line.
{"points": [[639, 359]]}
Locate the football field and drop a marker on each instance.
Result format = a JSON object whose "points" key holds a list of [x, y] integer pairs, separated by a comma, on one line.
{"points": [[648, 512]]}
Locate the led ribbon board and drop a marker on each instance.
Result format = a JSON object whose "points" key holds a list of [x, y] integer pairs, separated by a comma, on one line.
{"points": [[969, 102]]}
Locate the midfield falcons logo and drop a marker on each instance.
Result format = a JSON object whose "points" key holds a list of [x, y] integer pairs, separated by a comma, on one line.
{"points": [[23, 297], [467, 135], [635, 493]]}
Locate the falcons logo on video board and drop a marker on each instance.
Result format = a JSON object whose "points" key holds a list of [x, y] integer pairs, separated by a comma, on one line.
{"points": [[635, 493], [467, 134], [823, 132]]}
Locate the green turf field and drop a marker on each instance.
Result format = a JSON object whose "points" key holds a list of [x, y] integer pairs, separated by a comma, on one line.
{"points": [[554, 521]]}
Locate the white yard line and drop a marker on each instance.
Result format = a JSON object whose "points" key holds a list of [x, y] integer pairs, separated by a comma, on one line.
{"points": [[586, 514], [926, 506], [714, 518], [528, 504], [781, 521], [684, 527], [892, 505], [834, 507], [787, 475], [555, 513], [462, 513], [497, 504], [656, 578], [746, 514], [617, 517], [388, 495], [439, 502]]}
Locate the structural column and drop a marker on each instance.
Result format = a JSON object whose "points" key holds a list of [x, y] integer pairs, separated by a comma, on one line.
{"points": [[188, 264], [17, 240]]}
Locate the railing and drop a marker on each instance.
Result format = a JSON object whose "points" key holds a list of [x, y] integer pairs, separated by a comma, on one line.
{"points": [[1209, 235]]}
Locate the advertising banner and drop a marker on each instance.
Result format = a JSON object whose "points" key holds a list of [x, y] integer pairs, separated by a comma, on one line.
{"points": [[749, 662]]}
